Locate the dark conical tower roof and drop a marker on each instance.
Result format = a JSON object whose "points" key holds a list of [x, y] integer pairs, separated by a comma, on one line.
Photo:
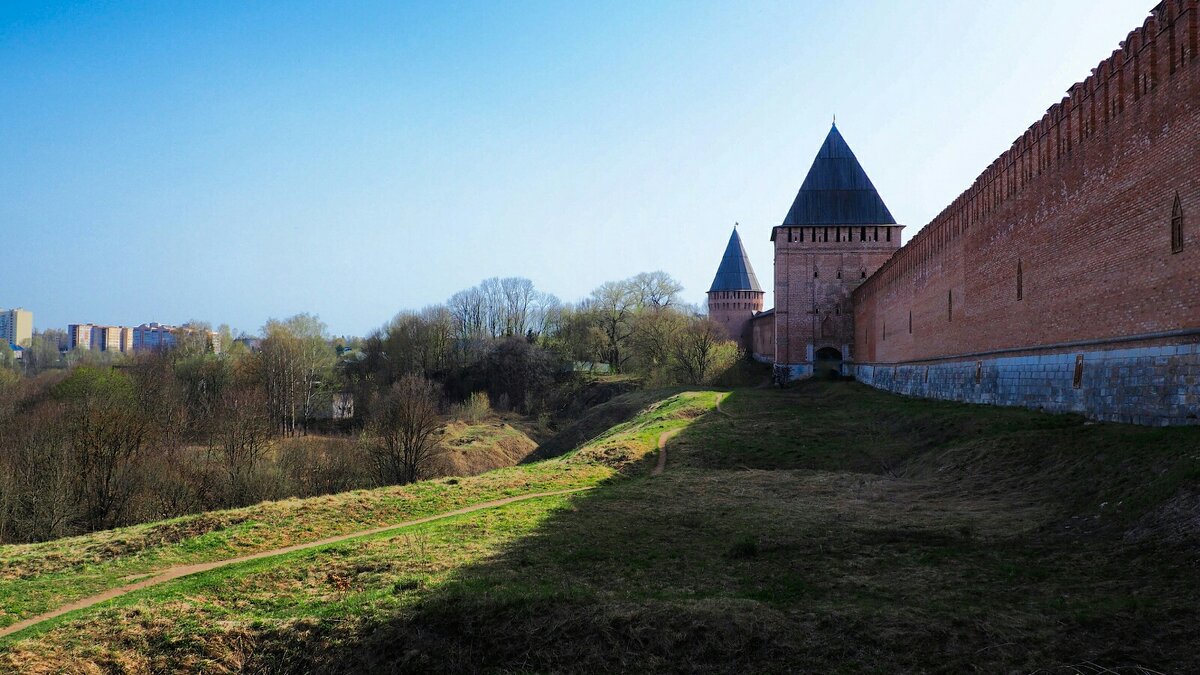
{"points": [[735, 272], [837, 190]]}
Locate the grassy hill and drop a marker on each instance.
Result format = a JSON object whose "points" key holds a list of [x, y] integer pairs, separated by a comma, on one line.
{"points": [[827, 528]]}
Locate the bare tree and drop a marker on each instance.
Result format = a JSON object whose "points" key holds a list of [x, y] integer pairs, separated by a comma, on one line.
{"points": [[698, 347], [655, 332], [518, 295], [278, 356], [518, 373], [108, 436], [545, 315], [241, 437], [200, 377], [493, 299], [317, 358], [613, 305], [400, 434], [8, 364], [296, 360], [437, 338], [655, 290], [499, 308], [418, 342], [37, 479], [468, 311], [577, 335], [43, 352]]}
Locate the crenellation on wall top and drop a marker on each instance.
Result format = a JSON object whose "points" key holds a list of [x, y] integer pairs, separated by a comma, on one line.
{"points": [[1065, 126]]}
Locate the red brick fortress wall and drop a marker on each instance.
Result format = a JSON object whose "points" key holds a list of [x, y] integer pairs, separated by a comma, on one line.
{"points": [[762, 336], [1064, 246]]}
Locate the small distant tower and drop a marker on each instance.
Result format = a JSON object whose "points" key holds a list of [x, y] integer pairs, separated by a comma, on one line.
{"points": [[735, 295]]}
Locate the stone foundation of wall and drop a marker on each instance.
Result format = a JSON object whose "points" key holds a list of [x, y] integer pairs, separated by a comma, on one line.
{"points": [[785, 372], [1157, 385]]}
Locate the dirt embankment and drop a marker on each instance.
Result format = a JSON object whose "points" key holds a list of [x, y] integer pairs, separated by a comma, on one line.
{"points": [[472, 449], [596, 420]]}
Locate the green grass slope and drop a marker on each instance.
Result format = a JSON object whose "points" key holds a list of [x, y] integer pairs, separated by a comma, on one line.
{"points": [[828, 528], [598, 420]]}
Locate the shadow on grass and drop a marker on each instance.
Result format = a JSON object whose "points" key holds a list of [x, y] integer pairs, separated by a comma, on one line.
{"points": [[597, 420], [827, 528]]}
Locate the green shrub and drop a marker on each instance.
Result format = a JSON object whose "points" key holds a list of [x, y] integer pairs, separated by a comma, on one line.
{"points": [[474, 409]]}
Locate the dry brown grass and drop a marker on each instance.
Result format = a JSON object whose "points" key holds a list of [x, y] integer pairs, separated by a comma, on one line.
{"points": [[471, 449]]}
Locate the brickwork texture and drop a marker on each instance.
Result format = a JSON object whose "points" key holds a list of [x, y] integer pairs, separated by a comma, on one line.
{"points": [[1067, 277], [1087, 230]]}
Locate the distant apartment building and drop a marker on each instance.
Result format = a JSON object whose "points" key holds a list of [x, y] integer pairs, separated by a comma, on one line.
{"points": [[112, 339], [79, 336], [146, 337], [106, 339], [16, 326], [154, 336], [99, 338]]}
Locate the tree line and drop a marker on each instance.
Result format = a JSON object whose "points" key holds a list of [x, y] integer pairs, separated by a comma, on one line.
{"points": [[106, 442]]}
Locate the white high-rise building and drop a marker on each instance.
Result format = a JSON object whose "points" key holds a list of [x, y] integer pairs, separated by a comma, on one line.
{"points": [[16, 326]]}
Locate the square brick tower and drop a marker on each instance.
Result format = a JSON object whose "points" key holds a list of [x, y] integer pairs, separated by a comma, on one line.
{"points": [[837, 233], [735, 295]]}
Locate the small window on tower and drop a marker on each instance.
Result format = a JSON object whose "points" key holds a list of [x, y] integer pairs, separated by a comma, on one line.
{"points": [[1020, 281], [949, 305], [863, 274], [888, 233], [839, 274], [1177, 226], [816, 274], [910, 322], [862, 234]]}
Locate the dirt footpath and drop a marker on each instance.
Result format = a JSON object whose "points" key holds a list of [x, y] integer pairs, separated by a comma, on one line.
{"points": [[163, 576]]}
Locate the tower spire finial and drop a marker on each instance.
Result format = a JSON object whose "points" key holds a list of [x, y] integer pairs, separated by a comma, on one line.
{"points": [[835, 119]]}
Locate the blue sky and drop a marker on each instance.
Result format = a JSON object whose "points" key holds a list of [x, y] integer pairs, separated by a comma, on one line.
{"points": [[235, 161]]}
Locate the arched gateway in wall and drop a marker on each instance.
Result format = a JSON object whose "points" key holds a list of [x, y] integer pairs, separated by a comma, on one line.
{"points": [[827, 362]]}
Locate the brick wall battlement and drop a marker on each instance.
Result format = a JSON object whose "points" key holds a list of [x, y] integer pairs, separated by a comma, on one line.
{"points": [[1068, 235], [1166, 43]]}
